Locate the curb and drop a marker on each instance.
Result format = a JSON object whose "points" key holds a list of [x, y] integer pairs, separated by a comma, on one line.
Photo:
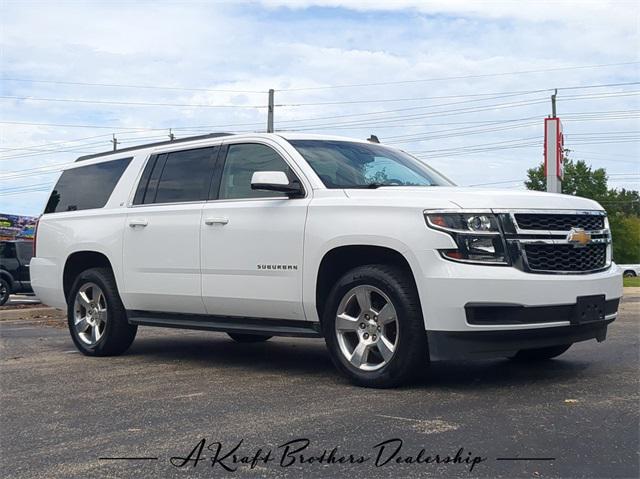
{"points": [[31, 313]]}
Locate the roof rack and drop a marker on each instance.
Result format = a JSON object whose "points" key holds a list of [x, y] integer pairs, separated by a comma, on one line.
{"points": [[158, 143]]}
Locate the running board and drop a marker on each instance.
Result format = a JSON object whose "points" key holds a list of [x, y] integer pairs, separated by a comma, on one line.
{"points": [[226, 324]]}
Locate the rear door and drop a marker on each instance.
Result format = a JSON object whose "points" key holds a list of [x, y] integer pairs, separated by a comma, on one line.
{"points": [[161, 257]]}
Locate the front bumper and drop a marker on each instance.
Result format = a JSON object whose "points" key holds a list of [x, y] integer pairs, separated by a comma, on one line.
{"points": [[500, 344], [474, 311], [446, 288]]}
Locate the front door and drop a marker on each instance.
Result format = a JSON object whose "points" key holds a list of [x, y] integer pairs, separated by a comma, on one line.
{"points": [[252, 241]]}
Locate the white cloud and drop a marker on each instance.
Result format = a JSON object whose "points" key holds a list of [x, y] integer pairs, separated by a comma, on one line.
{"points": [[282, 44]]}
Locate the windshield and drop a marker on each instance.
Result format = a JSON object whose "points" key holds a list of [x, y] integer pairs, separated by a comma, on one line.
{"points": [[345, 164]]}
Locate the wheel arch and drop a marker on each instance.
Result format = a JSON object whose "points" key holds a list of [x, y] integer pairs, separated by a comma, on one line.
{"points": [[340, 259], [79, 261]]}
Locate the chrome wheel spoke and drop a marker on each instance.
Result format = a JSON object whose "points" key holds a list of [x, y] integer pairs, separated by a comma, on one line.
{"points": [[360, 353], [95, 334], [81, 325], [387, 314], [364, 300], [345, 322], [84, 300], [385, 347], [100, 301]]}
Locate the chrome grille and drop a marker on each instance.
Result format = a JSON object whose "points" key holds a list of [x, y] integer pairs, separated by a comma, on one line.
{"points": [[565, 257], [558, 222], [538, 241]]}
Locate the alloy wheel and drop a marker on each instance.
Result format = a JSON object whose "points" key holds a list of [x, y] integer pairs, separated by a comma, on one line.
{"points": [[367, 328], [90, 313]]}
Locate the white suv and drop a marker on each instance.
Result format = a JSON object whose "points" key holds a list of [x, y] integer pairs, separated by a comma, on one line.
{"points": [[299, 235]]}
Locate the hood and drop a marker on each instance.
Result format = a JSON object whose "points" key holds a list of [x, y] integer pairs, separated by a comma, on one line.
{"points": [[476, 198]]}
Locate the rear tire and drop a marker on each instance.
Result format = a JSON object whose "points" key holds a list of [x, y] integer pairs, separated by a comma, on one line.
{"points": [[374, 328], [540, 354], [5, 291], [96, 316], [248, 338], [629, 274]]}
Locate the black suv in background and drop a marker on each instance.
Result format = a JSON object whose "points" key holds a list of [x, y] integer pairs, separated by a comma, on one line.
{"points": [[14, 268]]}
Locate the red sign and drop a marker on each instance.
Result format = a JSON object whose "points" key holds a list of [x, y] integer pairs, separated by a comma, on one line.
{"points": [[553, 148]]}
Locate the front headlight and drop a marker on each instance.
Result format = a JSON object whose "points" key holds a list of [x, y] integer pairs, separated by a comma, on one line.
{"points": [[477, 236]]}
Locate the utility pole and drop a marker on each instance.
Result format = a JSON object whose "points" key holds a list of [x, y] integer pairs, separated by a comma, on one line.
{"points": [[270, 112], [171, 135], [553, 103], [115, 142]]}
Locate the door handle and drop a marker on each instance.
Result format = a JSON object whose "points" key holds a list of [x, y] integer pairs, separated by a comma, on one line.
{"points": [[216, 221], [134, 223]]}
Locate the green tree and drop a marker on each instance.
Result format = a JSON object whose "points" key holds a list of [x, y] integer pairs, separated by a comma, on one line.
{"points": [[579, 180], [623, 206], [625, 230]]}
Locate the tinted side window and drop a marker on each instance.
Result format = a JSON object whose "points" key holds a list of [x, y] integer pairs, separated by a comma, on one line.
{"points": [[86, 187], [138, 199], [242, 161], [186, 176]]}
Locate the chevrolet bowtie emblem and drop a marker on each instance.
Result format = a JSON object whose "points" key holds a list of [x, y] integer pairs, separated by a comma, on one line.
{"points": [[578, 237]]}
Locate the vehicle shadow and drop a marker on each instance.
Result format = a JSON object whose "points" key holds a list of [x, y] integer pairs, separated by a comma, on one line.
{"points": [[309, 359], [285, 356]]}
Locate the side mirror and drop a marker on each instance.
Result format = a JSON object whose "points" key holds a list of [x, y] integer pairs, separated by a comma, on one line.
{"points": [[275, 181]]}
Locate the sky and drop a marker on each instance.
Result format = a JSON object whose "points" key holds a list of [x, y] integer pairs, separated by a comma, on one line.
{"points": [[465, 86]]}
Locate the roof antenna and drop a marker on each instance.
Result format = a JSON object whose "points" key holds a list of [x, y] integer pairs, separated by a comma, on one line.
{"points": [[373, 139], [115, 142], [171, 135]]}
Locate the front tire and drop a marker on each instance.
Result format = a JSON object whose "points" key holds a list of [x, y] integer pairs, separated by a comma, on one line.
{"points": [[96, 316], [373, 327], [248, 338], [5, 291], [540, 354], [629, 274]]}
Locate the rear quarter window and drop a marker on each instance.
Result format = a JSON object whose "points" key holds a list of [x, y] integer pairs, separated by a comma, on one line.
{"points": [[86, 187]]}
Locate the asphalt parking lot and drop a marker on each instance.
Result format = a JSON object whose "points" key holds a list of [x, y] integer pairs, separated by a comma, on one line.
{"points": [[61, 412]]}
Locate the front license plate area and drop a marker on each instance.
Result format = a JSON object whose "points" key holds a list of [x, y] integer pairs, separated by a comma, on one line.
{"points": [[588, 309]]}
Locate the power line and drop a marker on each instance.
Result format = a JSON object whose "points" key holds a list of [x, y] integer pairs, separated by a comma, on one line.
{"points": [[486, 75], [228, 90], [18, 188], [32, 190], [36, 147], [475, 95], [38, 171], [122, 85], [114, 127], [129, 103], [76, 149], [447, 112], [384, 100]]}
